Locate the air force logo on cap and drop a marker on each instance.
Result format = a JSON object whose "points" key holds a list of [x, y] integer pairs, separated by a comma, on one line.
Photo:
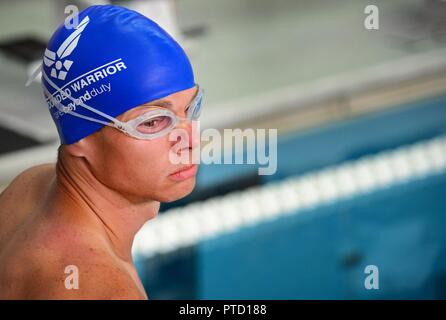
{"points": [[55, 60]]}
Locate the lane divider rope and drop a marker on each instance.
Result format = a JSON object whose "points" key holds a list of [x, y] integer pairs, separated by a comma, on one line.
{"points": [[185, 226]]}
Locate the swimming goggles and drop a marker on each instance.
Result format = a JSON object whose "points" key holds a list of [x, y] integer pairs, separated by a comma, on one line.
{"points": [[153, 124]]}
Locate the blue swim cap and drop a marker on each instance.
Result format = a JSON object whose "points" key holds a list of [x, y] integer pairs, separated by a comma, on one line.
{"points": [[114, 60]]}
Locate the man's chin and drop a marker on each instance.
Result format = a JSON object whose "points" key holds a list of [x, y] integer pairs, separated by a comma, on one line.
{"points": [[178, 191]]}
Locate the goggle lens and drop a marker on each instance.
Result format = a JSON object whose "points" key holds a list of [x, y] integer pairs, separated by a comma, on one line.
{"points": [[155, 124], [194, 110]]}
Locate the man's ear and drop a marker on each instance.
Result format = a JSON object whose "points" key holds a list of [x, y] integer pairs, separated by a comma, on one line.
{"points": [[78, 149]]}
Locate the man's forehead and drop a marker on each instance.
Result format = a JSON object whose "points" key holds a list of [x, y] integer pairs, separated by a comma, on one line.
{"points": [[163, 102], [159, 103], [167, 102]]}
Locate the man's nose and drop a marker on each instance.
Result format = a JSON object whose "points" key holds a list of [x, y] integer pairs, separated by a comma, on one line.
{"points": [[193, 135], [194, 140]]}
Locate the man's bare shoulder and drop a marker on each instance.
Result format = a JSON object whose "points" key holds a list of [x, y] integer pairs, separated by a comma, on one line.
{"points": [[73, 265], [24, 183], [22, 197], [89, 275]]}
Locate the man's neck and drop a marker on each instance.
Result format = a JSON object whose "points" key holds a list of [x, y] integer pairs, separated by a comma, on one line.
{"points": [[76, 190]]}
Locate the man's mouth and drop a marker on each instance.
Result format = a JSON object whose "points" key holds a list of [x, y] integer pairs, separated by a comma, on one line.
{"points": [[184, 173]]}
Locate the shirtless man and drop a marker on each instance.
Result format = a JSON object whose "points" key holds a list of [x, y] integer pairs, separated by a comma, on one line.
{"points": [[110, 176]]}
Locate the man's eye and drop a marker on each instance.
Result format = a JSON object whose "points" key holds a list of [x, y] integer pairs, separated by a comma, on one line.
{"points": [[155, 124], [151, 123]]}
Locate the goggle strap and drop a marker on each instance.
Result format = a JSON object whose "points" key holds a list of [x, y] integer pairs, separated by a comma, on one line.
{"points": [[82, 104], [61, 107], [34, 75]]}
